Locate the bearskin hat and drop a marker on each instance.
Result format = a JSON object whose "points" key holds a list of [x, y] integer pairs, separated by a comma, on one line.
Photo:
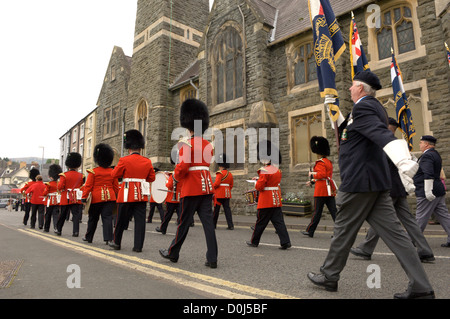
{"points": [[73, 160], [103, 155], [268, 150], [54, 170], [133, 140], [319, 145], [33, 173], [192, 110], [221, 160]]}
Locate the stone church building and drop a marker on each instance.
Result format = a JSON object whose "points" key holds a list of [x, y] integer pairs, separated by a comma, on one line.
{"points": [[252, 62]]}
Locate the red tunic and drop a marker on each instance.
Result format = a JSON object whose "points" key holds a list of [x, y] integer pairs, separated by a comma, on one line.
{"points": [[322, 176], [134, 169], [223, 184], [169, 186], [24, 189], [69, 184], [51, 193], [193, 170], [101, 185], [268, 185], [37, 193]]}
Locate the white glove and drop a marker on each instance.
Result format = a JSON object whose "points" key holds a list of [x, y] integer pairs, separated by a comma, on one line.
{"points": [[398, 152], [331, 99], [408, 183], [428, 183]]}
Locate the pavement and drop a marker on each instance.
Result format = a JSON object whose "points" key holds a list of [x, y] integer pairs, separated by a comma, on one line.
{"points": [[301, 222]]}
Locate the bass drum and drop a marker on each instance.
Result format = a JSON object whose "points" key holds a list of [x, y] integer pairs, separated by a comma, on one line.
{"points": [[159, 189]]}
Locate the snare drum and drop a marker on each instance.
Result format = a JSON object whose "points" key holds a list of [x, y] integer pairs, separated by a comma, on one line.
{"points": [[251, 197]]}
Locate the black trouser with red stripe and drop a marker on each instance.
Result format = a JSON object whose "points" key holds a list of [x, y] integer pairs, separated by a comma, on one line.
{"points": [[104, 209], [171, 207], [125, 211], [319, 202], [51, 212], [203, 206], [274, 215], [225, 202]]}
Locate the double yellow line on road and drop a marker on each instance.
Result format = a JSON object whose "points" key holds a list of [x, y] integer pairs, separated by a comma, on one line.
{"points": [[204, 283]]}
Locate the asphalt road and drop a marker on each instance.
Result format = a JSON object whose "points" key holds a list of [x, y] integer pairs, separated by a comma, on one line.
{"points": [[53, 267]]}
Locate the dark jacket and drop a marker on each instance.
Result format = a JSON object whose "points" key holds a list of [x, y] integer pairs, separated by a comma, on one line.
{"points": [[430, 165], [363, 163]]}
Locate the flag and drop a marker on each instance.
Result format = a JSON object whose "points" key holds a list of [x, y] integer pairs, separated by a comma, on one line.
{"points": [[403, 111], [448, 54], [358, 59], [328, 47]]}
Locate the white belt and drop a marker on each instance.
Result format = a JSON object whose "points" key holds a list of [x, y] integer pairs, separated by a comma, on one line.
{"points": [[224, 185], [199, 168], [134, 180], [52, 194], [271, 188]]}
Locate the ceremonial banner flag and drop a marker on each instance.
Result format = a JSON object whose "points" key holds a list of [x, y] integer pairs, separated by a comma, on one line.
{"points": [[358, 59], [328, 47], [448, 54], [404, 115]]}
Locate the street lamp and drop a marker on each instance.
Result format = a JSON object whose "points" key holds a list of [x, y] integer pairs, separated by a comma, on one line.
{"points": [[42, 161]]}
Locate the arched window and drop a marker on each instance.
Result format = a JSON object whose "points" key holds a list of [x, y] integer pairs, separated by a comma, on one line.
{"points": [[227, 65], [141, 117], [396, 31], [304, 64]]}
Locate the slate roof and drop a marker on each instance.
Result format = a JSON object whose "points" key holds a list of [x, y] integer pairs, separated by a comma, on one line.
{"points": [[291, 17]]}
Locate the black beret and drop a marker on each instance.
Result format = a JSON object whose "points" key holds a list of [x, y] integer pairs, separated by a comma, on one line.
{"points": [[133, 139], [369, 78], [429, 138], [319, 145], [191, 110], [103, 155]]}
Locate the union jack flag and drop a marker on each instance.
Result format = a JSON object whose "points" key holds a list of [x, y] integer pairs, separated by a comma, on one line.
{"points": [[358, 59], [403, 111]]}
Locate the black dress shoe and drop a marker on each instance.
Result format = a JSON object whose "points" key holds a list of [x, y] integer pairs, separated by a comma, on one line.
{"points": [[249, 243], [358, 252], [158, 229], [138, 250], [114, 245], [165, 253], [446, 245], [285, 246], [322, 281], [211, 264], [307, 233], [427, 258], [85, 239], [415, 295], [75, 235]]}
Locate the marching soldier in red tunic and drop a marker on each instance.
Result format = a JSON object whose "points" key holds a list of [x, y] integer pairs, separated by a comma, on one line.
{"points": [[102, 188], [172, 202], [193, 171], [37, 202], [325, 188], [269, 200], [137, 173], [222, 186], [33, 173], [69, 186], [52, 197]]}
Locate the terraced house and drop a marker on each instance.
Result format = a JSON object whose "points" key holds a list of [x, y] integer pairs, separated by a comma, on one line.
{"points": [[252, 62]]}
